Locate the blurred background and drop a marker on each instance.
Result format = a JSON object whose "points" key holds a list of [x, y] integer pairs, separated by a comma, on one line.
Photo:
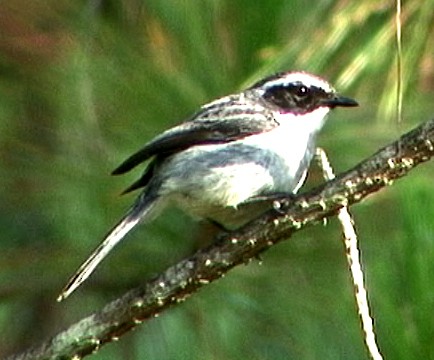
{"points": [[84, 84]]}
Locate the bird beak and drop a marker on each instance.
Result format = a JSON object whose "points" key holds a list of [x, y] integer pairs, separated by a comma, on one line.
{"points": [[338, 100]]}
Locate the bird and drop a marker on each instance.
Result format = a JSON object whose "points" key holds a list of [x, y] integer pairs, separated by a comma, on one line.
{"points": [[222, 162]]}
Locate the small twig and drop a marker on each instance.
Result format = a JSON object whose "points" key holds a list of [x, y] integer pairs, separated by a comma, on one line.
{"points": [[353, 258], [399, 70]]}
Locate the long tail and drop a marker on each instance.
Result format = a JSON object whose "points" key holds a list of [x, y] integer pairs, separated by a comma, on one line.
{"points": [[138, 212]]}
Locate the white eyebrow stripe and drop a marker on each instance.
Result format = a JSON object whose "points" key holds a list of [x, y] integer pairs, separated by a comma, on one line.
{"points": [[304, 78]]}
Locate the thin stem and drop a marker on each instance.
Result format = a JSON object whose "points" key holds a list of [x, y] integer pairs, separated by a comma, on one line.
{"points": [[353, 258]]}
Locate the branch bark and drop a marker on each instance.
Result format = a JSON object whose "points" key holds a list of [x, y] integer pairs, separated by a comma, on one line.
{"points": [[230, 249]]}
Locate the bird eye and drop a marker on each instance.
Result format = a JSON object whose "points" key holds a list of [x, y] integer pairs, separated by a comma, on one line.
{"points": [[302, 90]]}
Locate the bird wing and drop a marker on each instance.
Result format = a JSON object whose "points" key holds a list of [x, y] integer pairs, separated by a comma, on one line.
{"points": [[225, 120]]}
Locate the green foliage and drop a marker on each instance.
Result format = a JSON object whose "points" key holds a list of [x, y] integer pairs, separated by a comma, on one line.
{"points": [[85, 84]]}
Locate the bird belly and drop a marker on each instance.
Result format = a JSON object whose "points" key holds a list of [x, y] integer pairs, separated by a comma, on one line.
{"points": [[212, 181]]}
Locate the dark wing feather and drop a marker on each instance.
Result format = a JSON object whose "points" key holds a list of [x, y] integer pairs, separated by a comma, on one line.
{"points": [[173, 140], [144, 179], [228, 119]]}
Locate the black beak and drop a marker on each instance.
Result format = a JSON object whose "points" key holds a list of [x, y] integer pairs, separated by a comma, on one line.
{"points": [[338, 100]]}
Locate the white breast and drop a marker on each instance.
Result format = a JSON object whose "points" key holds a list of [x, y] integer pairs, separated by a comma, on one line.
{"points": [[291, 139]]}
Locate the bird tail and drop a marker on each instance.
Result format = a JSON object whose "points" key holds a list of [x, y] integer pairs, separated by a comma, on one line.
{"points": [[140, 210]]}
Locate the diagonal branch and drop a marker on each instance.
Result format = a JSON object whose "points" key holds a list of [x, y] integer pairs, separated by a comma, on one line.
{"points": [[184, 278]]}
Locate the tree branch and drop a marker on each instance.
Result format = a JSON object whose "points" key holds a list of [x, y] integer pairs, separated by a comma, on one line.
{"points": [[230, 249]]}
